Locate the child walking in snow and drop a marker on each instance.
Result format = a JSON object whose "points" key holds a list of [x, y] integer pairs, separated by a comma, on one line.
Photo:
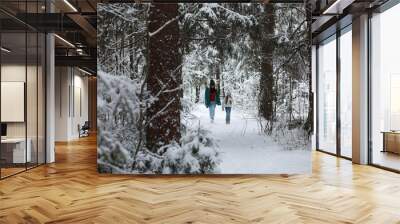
{"points": [[228, 101], [212, 99]]}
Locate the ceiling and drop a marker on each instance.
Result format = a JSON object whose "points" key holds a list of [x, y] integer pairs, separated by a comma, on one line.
{"points": [[74, 22]]}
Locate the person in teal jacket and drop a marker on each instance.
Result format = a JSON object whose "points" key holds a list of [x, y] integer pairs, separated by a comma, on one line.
{"points": [[212, 99]]}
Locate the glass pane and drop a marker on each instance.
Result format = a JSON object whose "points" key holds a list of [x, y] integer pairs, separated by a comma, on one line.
{"points": [[346, 94], [327, 96], [23, 82], [32, 90], [31, 97], [13, 86], [385, 86]]}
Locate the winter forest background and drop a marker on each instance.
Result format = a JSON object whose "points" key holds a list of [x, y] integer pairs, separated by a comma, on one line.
{"points": [[154, 62]]}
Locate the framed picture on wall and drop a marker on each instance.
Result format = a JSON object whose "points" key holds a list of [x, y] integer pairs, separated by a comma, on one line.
{"points": [[204, 88]]}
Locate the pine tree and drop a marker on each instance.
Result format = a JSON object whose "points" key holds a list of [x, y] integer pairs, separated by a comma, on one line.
{"points": [[267, 81], [164, 76]]}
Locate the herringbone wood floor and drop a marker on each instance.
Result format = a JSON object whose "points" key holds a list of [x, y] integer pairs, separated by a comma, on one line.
{"points": [[71, 191]]}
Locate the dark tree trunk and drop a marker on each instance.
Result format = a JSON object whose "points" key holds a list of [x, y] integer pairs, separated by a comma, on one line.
{"points": [[164, 77], [290, 106], [220, 64], [122, 55], [197, 94], [267, 78], [132, 60]]}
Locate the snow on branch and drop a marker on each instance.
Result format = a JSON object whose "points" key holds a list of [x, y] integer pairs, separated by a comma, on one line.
{"points": [[151, 34], [232, 12], [160, 112]]}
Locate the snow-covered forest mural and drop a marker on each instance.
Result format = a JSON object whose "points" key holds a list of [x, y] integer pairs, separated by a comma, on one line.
{"points": [[204, 88]]}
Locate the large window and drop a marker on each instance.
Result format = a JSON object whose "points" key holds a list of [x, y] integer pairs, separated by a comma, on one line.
{"points": [[346, 92], [327, 95], [385, 89], [334, 62]]}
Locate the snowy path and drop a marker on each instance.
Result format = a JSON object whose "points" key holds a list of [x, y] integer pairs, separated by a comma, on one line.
{"points": [[245, 151]]}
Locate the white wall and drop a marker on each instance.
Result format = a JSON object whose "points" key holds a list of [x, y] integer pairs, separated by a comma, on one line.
{"points": [[62, 81], [80, 89], [70, 83]]}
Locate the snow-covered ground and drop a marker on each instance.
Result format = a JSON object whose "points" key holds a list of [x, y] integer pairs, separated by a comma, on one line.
{"points": [[244, 150]]}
